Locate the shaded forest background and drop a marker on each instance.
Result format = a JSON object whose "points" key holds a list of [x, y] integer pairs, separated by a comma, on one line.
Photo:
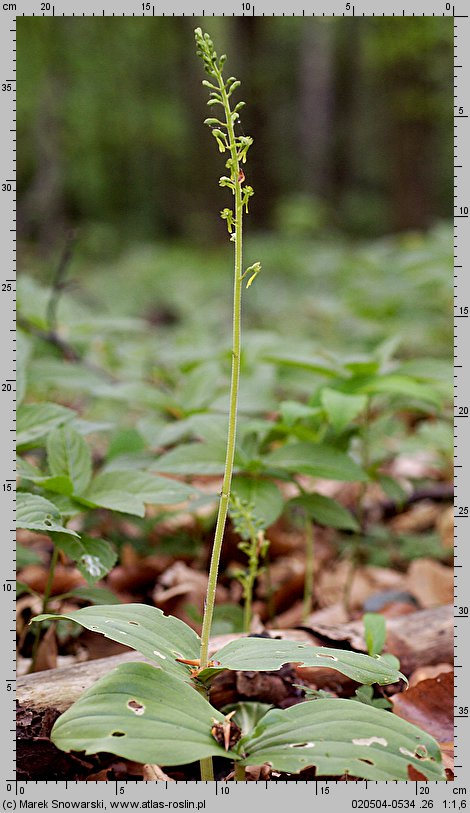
{"points": [[352, 124]]}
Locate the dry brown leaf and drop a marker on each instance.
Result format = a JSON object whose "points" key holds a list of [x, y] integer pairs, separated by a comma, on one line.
{"points": [[398, 608], [180, 586], [46, 657], [429, 705], [426, 672], [331, 584], [26, 607], [445, 527], [285, 580], [101, 776], [413, 467], [153, 773], [292, 617], [430, 582], [137, 577], [420, 517], [334, 614], [254, 773], [65, 578], [447, 751]]}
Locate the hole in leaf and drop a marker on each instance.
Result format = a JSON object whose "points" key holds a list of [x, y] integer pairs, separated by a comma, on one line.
{"points": [[118, 734], [159, 654], [371, 741], [302, 745], [48, 520], [136, 707], [134, 623], [367, 761], [330, 657], [421, 751]]}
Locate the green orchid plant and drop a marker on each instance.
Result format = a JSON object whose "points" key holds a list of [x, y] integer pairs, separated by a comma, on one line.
{"points": [[158, 711]]}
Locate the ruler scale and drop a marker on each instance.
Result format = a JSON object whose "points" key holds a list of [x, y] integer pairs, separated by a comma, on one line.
{"points": [[328, 795]]}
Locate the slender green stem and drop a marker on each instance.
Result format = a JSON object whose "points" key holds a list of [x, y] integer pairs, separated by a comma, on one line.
{"points": [[50, 579], [239, 773], [207, 769], [235, 377], [45, 606], [205, 765], [309, 561], [247, 607], [361, 514]]}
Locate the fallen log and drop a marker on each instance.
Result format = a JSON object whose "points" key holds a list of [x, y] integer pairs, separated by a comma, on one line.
{"points": [[418, 639]]}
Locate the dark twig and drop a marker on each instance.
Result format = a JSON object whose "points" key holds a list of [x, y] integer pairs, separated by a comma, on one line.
{"points": [[59, 281]]}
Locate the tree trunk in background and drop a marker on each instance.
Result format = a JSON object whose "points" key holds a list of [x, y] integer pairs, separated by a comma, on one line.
{"points": [[41, 210], [410, 134], [249, 36], [316, 106], [347, 48]]}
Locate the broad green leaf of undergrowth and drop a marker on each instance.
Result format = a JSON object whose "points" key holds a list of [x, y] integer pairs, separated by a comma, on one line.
{"points": [[392, 488], [342, 737], [68, 455], [143, 714], [94, 557], [375, 632], [269, 654], [341, 408], [325, 511], [263, 495], [23, 352], [38, 514], [93, 595], [365, 694], [320, 366], [317, 460], [247, 714], [129, 491], [161, 638], [405, 387], [59, 484], [35, 421], [192, 458], [25, 556]]}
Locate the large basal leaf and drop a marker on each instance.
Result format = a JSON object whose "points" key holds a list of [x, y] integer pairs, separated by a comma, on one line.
{"points": [[263, 495], [128, 491], [94, 557], [316, 460], [35, 421], [143, 714], [342, 737], [161, 638], [68, 455], [268, 654], [325, 511], [37, 514]]}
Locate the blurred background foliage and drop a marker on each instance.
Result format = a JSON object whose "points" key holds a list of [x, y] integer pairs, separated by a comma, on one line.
{"points": [[352, 120], [124, 296]]}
